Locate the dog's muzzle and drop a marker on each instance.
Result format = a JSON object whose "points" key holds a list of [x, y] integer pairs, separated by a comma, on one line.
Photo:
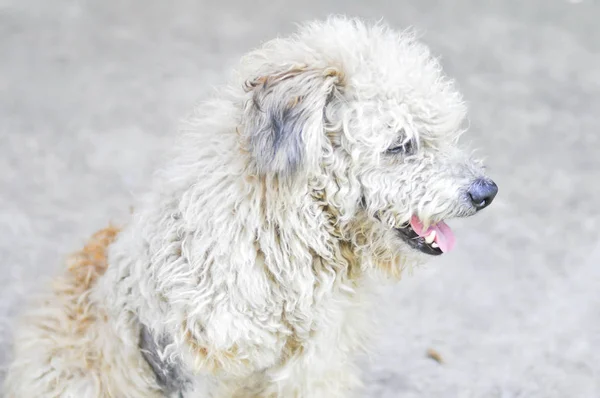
{"points": [[439, 238]]}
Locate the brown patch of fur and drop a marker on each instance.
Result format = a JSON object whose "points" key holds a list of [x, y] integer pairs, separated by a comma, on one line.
{"points": [[88, 264], [336, 72], [214, 361], [391, 267], [294, 101], [265, 81], [83, 269], [354, 269], [293, 347]]}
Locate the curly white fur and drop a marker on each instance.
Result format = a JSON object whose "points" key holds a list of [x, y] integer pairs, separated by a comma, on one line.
{"points": [[251, 257]]}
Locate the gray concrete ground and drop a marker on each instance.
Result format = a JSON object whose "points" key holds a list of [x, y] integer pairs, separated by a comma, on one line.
{"points": [[91, 92]]}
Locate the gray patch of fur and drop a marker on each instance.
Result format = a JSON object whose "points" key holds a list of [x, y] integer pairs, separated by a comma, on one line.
{"points": [[285, 109], [169, 375], [287, 130]]}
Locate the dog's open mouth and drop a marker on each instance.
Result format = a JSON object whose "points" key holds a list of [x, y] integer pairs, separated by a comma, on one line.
{"points": [[435, 240]]}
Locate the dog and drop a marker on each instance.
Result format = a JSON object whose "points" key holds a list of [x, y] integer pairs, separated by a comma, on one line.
{"points": [[329, 160]]}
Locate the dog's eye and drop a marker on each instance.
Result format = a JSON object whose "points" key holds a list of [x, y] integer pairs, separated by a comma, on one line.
{"points": [[405, 148]]}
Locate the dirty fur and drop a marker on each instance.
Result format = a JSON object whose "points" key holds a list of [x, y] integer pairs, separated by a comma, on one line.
{"points": [[253, 259], [66, 347]]}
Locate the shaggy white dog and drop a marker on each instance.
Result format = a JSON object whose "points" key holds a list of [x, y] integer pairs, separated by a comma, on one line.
{"points": [[244, 272]]}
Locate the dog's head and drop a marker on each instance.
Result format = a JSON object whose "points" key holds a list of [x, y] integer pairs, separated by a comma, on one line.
{"points": [[368, 113]]}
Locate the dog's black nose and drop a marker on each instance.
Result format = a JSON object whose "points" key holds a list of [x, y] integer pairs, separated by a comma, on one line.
{"points": [[482, 192]]}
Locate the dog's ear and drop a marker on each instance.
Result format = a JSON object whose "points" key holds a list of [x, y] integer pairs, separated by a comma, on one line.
{"points": [[283, 121]]}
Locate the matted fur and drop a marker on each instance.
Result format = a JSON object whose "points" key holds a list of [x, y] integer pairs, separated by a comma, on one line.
{"points": [[65, 347], [251, 258]]}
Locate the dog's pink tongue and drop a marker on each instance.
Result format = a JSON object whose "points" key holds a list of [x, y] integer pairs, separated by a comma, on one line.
{"points": [[443, 234]]}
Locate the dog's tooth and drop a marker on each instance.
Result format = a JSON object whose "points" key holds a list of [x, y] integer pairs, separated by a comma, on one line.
{"points": [[429, 239], [434, 245]]}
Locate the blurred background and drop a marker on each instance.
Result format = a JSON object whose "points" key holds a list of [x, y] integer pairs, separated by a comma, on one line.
{"points": [[92, 91]]}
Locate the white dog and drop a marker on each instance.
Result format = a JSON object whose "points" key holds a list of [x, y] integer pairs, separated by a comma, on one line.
{"points": [[245, 271]]}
